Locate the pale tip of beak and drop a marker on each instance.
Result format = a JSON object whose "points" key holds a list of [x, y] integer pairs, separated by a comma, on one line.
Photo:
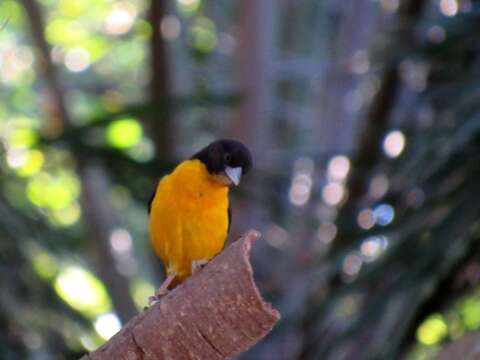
{"points": [[234, 174]]}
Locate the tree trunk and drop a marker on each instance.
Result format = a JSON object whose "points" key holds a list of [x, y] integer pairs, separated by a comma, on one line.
{"points": [[160, 122]]}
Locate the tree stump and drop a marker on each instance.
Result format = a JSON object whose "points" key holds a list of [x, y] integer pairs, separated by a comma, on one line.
{"points": [[217, 313]]}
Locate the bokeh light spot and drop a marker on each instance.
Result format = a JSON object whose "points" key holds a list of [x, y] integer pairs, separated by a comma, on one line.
{"points": [[394, 143], [44, 264], [22, 137], [333, 193], [372, 247], [366, 219], [338, 168], [326, 232], [432, 330], [352, 264], [449, 7], [142, 151], [378, 186], [121, 242], [33, 163], [302, 182], [68, 215], [300, 189], [276, 236], [204, 36], [54, 192], [384, 214], [436, 34], [170, 27], [82, 290], [120, 19], [77, 59], [389, 6], [65, 32], [107, 325], [141, 290], [188, 6], [470, 312], [124, 133]]}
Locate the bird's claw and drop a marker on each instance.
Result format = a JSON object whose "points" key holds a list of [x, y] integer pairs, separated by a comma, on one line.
{"points": [[157, 296], [197, 265], [162, 290]]}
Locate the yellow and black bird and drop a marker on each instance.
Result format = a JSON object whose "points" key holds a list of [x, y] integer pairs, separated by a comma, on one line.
{"points": [[189, 210]]}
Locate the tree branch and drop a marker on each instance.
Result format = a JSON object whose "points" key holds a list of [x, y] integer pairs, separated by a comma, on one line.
{"points": [[467, 347], [215, 314]]}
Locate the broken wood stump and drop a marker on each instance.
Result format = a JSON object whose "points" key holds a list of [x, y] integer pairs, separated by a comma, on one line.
{"points": [[217, 313]]}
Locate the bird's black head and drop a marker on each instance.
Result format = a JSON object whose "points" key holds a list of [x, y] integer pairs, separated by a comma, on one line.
{"points": [[227, 160]]}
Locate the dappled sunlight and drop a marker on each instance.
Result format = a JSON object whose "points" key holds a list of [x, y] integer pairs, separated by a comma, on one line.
{"points": [[82, 290], [141, 290], [107, 325], [120, 19], [77, 59], [432, 330], [55, 192], [124, 133]]}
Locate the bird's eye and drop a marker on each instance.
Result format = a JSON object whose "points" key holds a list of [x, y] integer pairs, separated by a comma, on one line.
{"points": [[227, 157]]}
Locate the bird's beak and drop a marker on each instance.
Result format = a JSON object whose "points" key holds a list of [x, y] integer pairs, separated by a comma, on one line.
{"points": [[234, 174]]}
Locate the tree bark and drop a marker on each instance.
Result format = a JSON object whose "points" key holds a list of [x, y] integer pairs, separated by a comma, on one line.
{"points": [[216, 314], [467, 347]]}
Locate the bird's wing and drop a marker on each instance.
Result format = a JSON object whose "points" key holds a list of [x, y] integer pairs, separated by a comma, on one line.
{"points": [[150, 201]]}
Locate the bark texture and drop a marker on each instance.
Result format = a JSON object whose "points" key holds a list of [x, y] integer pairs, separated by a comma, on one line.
{"points": [[467, 347], [216, 314]]}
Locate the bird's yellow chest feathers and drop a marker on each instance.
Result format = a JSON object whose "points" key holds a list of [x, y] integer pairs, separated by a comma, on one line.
{"points": [[188, 217]]}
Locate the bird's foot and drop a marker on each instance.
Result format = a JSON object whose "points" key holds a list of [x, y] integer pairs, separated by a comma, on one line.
{"points": [[197, 265], [162, 290]]}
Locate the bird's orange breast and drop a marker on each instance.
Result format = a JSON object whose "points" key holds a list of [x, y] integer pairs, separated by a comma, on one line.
{"points": [[188, 217]]}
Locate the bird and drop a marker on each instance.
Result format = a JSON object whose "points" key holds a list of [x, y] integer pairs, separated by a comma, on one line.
{"points": [[189, 212]]}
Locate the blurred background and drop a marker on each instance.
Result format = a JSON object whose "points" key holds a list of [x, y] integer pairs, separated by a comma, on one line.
{"points": [[363, 118]]}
